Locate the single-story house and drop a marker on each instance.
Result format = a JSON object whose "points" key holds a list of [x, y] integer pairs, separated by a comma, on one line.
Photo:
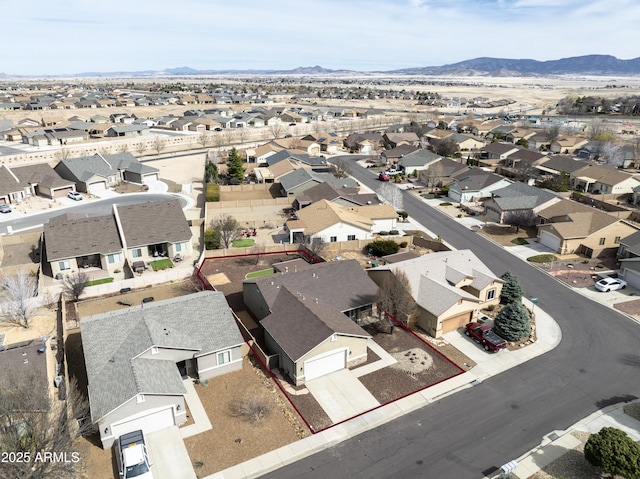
{"points": [[392, 156], [137, 360], [95, 173], [312, 338], [568, 227], [132, 233], [417, 161], [297, 182], [474, 184], [19, 182], [449, 288], [339, 195], [333, 222], [603, 180], [518, 203]]}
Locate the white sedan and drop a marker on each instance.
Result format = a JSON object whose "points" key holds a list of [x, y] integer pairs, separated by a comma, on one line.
{"points": [[74, 195], [610, 284]]}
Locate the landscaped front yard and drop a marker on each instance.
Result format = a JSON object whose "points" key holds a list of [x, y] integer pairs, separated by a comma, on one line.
{"points": [[235, 439]]}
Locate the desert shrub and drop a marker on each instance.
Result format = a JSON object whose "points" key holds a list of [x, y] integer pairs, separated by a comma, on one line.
{"points": [[403, 244], [251, 408], [614, 452]]}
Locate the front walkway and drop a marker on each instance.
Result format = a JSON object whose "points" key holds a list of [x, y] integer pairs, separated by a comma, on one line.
{"points": [[199, 415]]}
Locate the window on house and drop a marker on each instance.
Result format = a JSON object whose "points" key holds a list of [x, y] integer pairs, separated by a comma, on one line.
{"points": [[602, 241], [617, 240], [333, 239], [64, 265], [491, 294], [136, 253], [140, 398], [351, 238], [224, 357], [113, 258], [181, 247]]}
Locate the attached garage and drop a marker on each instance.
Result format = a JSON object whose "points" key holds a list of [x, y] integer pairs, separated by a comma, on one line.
{"points": [[325, 364], [550, 240], [150, 177], [455, 322], [148, 422], [96, 187], [62, 192], [632, 277]]}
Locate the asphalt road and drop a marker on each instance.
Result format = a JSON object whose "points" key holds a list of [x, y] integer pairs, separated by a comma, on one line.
{"points": [[90, 208], [473, 432]]}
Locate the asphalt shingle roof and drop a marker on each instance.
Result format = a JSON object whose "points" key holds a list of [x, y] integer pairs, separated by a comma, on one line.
{"points": [[112, 342], [153, 222]]}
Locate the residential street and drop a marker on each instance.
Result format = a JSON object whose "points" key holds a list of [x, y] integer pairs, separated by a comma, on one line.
{"points": [[469, 434]]}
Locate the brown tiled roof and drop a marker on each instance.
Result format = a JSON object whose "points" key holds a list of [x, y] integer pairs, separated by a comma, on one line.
{"points": [[153, 222]]}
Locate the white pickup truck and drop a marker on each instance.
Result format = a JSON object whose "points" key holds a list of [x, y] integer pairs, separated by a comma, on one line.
{"points": [[133, 458]]}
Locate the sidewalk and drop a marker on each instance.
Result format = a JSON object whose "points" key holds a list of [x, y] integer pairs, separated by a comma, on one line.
{"points": [[487, 365]]}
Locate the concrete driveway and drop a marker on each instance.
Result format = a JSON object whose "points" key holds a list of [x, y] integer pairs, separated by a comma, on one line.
{"points": [[168, 455], [341, 395]]}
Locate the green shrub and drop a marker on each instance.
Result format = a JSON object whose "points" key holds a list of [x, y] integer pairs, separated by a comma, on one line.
{"points": [[382, 247], [542, 258], [213, 192], [614, 452], [513, 322], [404, 244], [445, 203]]}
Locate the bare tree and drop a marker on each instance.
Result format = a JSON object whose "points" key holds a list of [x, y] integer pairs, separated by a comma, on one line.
{"points": [[341, 168], [140, 148], [552, 132], [20, 302], [598, 128], [394, 297], [520, 219], [228, 228], [105, 150], [204, 139], [276, 128], [446, 147], [611, 154], [74, 284], [159, 144], [432, 177], [523, 169], [316, 245], [392, 195], [242, 134], [63, 154], [124, 147], [218, 140], [229, 136], [34, 425]]}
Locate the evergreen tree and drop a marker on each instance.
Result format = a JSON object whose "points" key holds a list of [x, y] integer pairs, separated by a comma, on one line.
{"points": [[235, 166], [511, 290], [614, 452], [512, 322], [210, 172]]}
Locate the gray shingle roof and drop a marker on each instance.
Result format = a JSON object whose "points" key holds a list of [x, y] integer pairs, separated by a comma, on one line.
{"points": [[68, 236], [108, 165], [418, 158], [299, 323], [199, 323], [344, 284], [519, 196], [153, 222]]}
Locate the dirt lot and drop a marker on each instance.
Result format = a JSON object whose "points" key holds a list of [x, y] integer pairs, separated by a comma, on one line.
{"points": [[236, 439]]}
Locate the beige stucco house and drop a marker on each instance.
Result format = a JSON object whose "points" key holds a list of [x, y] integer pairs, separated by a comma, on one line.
{"points": [[449, 287]]}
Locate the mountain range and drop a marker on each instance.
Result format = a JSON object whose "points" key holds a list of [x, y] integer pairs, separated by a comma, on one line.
{"points": [[597, 65]]}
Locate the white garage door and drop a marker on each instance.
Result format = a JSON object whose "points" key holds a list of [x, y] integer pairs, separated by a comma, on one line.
{"points": [[153, 421], [325, 364], [146, 179], [550, 240], [98, 186]]}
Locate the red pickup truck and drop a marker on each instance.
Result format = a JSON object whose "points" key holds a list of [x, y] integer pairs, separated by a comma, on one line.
{"points": [[484, 335]]}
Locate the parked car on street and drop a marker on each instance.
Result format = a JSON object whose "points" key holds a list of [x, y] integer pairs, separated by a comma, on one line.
{"points": [[74, 195], [5, 208], [610, 284], [383, 177], [132, 456], [484, 334]]}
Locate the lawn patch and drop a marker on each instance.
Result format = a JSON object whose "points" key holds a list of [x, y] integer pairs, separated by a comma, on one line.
{"points": [[243, 243], [164, 263], [520, 240], [257, 274], [100, 281], [542, 258], [213, 192]]}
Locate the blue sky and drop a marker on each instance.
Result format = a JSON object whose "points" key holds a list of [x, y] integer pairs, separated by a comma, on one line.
{"points": [[49, 37]]}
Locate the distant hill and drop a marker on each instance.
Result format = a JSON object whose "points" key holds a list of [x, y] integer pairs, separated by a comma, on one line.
{"points": [[598, 65], [486, 66]]}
